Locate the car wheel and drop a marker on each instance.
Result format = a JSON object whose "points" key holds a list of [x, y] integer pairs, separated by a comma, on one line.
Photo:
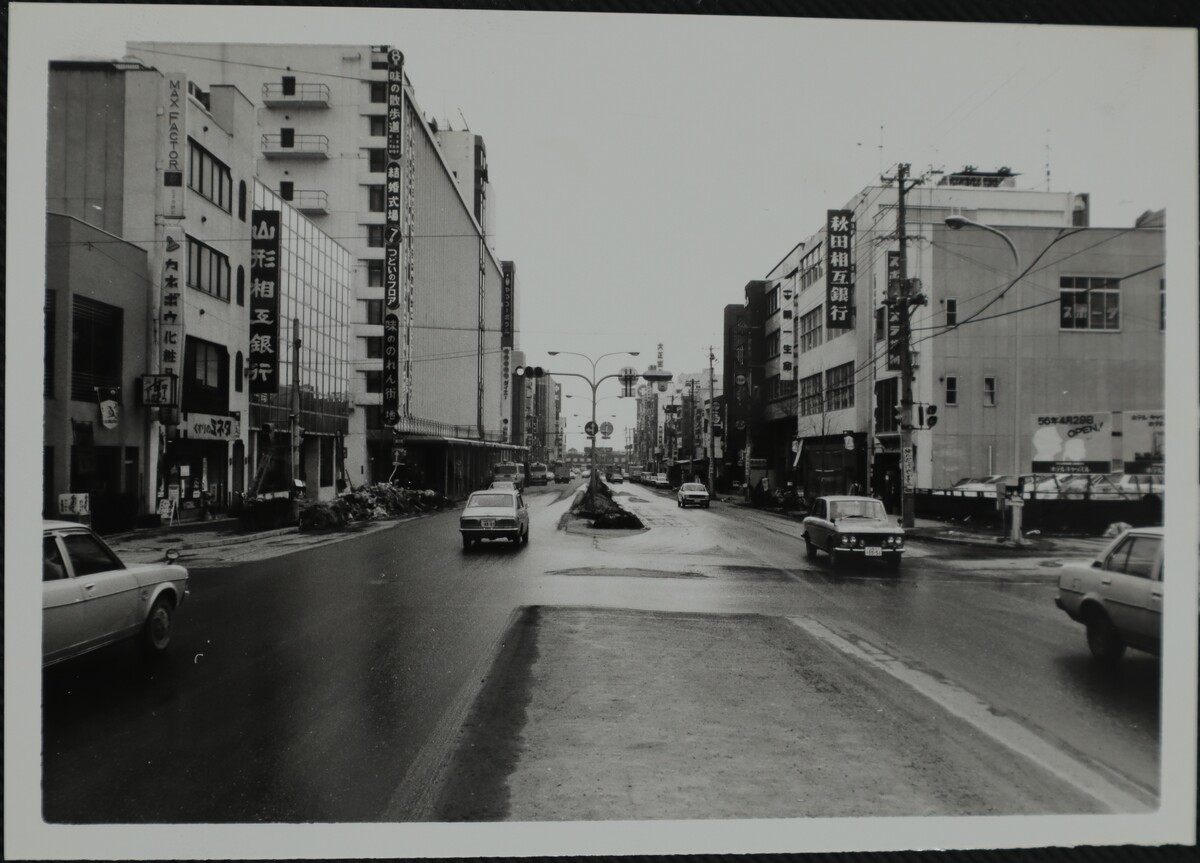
{"points": [[468, 542], [706, 504], [1102, 637], [525, 537], [679, 504], [835, 558], [156, 633], [810, 550]]}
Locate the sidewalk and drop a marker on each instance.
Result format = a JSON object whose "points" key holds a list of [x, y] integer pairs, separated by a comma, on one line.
{"points": [[931, 530]]}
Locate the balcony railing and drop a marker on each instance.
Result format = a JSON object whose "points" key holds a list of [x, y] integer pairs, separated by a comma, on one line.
{"points": [[301, 96], [311, 201], [302, 147]]}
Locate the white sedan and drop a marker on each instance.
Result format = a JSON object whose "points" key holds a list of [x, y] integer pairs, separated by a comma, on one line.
{"points": [[91, 599], [845, 526], [494, 514], [692, 494], [1119, 595]]}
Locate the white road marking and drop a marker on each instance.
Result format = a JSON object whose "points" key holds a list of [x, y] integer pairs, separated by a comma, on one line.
{"points": [[980, 715]]}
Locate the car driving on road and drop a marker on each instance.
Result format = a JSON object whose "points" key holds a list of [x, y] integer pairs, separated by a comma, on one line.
{"points": [[494, 514], [91, 599], [692, 494], [661, 481], [1118, 596], [848, 526]]}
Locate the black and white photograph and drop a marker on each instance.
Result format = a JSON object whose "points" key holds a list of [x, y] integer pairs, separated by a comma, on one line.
{"points": [[498, 432]]}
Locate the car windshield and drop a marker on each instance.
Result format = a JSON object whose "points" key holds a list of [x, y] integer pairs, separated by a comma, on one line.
{"points": [[856, 509], [481, 500], [692, 486]]}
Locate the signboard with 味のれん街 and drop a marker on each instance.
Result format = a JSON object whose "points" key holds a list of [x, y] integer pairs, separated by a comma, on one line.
{"points": [[1072, 442]]}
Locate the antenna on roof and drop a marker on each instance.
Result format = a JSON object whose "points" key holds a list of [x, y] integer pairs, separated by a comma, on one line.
{"points": [[466, 128]]}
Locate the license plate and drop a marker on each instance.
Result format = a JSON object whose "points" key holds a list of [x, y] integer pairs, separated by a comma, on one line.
{"points": [[874, 552], [487, 522]]}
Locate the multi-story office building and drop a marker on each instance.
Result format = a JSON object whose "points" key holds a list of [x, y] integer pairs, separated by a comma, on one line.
{"points": [[1078, 334], [323, 122], [152, 198], [155, 162]]}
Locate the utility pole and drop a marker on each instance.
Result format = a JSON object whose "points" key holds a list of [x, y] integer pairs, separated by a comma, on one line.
{"points": [[905, 298], [711, 444]]}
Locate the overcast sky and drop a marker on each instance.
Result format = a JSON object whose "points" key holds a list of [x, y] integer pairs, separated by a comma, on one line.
{"points": [[644, 168]]}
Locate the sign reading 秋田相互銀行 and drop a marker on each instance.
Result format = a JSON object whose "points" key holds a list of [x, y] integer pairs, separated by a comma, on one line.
{"points": [[839, 268]]}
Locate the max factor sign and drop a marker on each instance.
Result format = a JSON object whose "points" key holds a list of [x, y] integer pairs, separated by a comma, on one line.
{"points": [[172, 142]]}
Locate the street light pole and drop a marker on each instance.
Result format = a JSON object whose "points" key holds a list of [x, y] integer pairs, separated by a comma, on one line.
{"points": [[956, 223]]}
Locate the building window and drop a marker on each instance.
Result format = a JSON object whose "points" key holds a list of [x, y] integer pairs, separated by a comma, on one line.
{"points": [[375, 236], [880, 323], [375, 312], [374, 274], [374, 381], [326, 469], [810, 395], [209, 177], [242, 200], [208, 270], [96, 345], [989, 392], [376, 161], [839, 384], [373, 416], [377, 125], [810, 330], [48, 358], [1089, 303], [241, 286], [374, 347], [238, 372], [379, 91], [951, 390], [951, 312], [205, 377], [287, 190], [773, 301], [375, 199], [773, 344]]}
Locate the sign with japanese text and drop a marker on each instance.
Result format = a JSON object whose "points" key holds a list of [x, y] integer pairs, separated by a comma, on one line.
{"points": [[839, 271], [170, 302], [392, 239], [74, 504], [172, 145], [110, 406], [159, 390], [209, 427], [506, 305], [1073, 443], [1142, 434], [262, 366], [894, 345]]}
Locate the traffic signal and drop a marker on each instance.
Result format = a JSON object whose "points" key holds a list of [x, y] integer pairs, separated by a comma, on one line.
{"points": [[931, 416], [901, 419], [530, 372]]}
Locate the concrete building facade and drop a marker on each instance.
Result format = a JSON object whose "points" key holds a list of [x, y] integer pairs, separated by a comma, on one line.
{"points": [[322, 123]]}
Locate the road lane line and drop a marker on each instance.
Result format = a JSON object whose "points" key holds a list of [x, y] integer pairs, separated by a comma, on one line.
{"points": [[983, 717]]}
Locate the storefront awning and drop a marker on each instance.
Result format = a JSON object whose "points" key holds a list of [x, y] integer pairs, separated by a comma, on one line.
{"points": [[458, 441]]}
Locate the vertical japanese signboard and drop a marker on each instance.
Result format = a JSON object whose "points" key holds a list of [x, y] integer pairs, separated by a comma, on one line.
{"points": [[170, 303], [390, 412], [1142, 437], [172, 145], [263, 360], [893, 311], [506, 306], [839, 270]]}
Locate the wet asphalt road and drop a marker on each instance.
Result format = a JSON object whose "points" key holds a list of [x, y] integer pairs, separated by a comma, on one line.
{"points": [[328, 685]]}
